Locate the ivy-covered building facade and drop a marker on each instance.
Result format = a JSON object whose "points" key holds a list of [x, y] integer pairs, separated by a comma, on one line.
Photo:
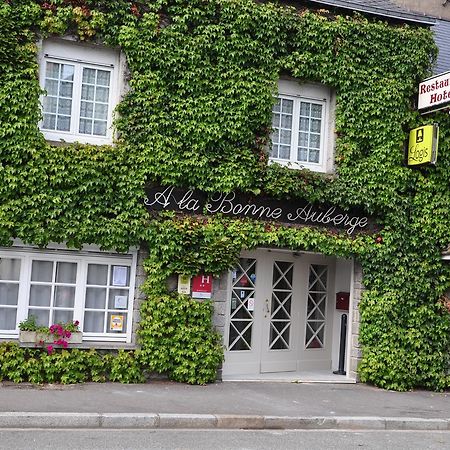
{"points": [[217, 189]]}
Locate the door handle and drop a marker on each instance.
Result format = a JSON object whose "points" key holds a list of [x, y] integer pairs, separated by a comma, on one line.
{"points": [[267, 308]]}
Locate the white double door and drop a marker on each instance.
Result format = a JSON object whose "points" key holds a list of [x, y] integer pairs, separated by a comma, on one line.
{"points": [[279, 313]]}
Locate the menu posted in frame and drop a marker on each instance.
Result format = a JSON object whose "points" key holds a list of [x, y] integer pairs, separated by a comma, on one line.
{"points": [[119, 276], [116, 323], [184, 284], [120, 302]]}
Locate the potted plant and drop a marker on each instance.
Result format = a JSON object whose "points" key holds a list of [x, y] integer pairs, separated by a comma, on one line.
{"points": [[66, 333], [30, 331], [60, 334]]}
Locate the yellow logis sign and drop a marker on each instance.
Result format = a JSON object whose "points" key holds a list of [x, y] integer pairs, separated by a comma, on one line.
{"points": [[423, 145]]}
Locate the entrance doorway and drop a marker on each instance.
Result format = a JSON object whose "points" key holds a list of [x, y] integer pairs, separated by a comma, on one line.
{"points": [[280, 313]]}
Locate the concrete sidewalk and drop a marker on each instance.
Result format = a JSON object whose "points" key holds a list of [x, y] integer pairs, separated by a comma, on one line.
{"points": [[255, 405]]}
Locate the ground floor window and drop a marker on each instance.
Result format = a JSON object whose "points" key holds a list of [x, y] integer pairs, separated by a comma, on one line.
{"points": [[56, 286]]}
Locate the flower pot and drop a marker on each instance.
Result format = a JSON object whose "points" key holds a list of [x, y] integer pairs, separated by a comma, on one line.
{"points": [[27, 336], [75, 338], [46, 338]]}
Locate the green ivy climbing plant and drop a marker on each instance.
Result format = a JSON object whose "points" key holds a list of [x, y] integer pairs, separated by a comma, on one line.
{"points": [[202, 75]]}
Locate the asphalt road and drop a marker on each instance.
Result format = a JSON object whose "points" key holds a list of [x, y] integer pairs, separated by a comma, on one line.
{"points": [[80, 439]]}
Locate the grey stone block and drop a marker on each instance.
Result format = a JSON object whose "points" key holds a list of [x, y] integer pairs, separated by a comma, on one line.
{"points": [[360, 423], [411, 423], [49, 420], [240, 422], [299, 423], [223, 282], [129, 420], [220, 296], [187, 421], [219, 321]]}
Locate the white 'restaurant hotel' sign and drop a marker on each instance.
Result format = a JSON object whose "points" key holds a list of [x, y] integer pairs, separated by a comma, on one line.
{"points": [[434, 93]]}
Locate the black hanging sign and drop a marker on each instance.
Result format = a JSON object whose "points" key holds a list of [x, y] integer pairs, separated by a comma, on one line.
{"points": [[299, 212]]}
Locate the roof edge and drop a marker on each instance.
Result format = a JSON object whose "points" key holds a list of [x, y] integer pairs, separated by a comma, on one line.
{"points": [[405, 16]]}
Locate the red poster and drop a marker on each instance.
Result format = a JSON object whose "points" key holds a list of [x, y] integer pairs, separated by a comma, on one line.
{"points": [[202, 286]]}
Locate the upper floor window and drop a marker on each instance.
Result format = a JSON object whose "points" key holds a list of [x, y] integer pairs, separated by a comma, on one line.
{"points": [[301, 126], [81, 84]]}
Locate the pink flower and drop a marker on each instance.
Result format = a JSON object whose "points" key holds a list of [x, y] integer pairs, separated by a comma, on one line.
{"points": [[49, 349], [76, 323], [68, 334]]}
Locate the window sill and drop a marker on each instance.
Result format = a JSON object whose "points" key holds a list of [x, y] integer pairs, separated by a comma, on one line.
{"points": [[86, 345], [298, 166], [74, 139]]}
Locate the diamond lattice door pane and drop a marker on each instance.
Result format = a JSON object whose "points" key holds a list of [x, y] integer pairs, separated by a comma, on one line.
{"points": [[242, 305], [317, 301], [281, 305]]}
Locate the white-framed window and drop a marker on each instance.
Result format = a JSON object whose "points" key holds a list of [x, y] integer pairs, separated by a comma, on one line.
{"points": [[301, 126], [95, 288], [81, 84]]}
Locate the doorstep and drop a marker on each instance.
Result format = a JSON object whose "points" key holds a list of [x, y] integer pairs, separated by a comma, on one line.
{"points": [[310, 376]]}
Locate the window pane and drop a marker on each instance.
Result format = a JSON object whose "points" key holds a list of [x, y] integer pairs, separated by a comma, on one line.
{"points": [[302, 154], [62, 316], [49, 121], [87, 109], [314, 140], [286, 121], [274, 151], [66, 272], [315, 125], [85, 126], [64, 296], [285, 152], [287, 106], [40, 295], [275, 120], [285, 137], [9, 269], [93, 322], [63, 123], [95, 298], [305, 108], [64, 106], [120, 276], [277, 106], [101, 94], [276, 137], [42, 271], [42, 316], [99, 128], [117, 323], [52, 70], [8, 318], [89, 76], [87, 92], [115, 298], [51, 86], [50, 104], [316, 110], [67, 72], [65, 89], [103, 77], [303, 139], [101, 111], [97, 274], [314, 156], [9, 293], [304, 124]]}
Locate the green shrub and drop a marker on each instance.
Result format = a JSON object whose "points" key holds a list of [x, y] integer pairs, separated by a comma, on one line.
{"points": [[176, 337]]}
